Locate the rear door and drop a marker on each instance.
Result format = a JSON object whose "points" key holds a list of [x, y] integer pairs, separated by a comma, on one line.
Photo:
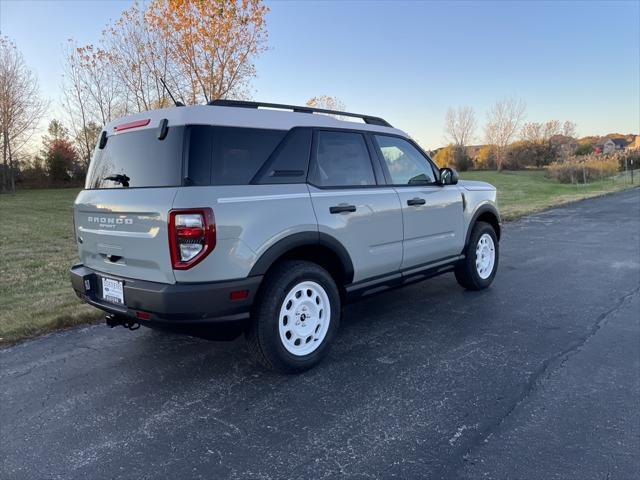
{"points": [[432, 214], [352, 206], [121, 216]]}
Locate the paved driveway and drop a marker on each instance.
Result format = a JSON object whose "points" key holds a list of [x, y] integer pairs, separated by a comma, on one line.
{"points": [[537, 377]]}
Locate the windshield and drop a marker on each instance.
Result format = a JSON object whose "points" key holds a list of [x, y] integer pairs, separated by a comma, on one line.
{"points": [[138, 159]]}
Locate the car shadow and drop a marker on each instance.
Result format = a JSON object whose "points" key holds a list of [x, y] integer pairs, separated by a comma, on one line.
{"points": [[433, 314]]}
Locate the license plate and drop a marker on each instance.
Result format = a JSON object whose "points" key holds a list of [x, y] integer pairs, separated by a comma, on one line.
{"points": [[112, 291]]}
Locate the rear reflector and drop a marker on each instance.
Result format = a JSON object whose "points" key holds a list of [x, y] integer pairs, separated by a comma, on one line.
{"points": [[143, 315], [136, 124], [239, 295]]}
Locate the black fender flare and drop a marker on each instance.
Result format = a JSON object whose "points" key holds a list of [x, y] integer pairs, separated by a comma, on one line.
{"points": [[301, 239], [486, 208]]}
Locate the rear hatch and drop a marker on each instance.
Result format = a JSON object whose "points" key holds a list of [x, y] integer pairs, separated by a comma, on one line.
{"points": [[121, 216]]}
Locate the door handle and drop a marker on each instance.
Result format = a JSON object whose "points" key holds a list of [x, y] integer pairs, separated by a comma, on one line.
{"points": [[342, 208], [416, 201]]}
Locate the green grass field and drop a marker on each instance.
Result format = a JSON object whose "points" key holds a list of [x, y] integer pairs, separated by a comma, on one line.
{"points": [[37, 248], [526, 191]]}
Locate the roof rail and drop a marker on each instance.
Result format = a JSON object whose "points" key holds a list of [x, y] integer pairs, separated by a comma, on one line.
{"points": [[247, 104]]}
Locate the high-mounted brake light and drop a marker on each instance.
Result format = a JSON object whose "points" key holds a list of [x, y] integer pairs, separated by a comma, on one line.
{"points": [[192, 236], [136, 124]]}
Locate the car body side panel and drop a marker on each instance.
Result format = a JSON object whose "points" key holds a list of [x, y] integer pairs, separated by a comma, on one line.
{"points": [[475, 200], [372, 235], [249, 219], [434, 230]]}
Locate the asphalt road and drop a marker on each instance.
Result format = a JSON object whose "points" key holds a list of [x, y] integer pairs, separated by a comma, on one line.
{"points": [[537, 377]]}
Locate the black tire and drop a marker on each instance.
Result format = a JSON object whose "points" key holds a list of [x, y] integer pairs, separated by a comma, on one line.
{"points": [[263, 334], [466, 271]]}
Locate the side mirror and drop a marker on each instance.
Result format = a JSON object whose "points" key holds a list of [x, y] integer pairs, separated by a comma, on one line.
{"points": [[448, 176]]}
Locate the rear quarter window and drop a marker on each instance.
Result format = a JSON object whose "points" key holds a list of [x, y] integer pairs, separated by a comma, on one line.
{"points": [[289, 162], [228, 155]]}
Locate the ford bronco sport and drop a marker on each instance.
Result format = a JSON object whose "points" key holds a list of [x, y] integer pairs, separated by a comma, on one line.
{"points": [[265, 219]]}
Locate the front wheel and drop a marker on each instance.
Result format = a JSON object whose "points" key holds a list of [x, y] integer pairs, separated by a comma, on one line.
{"points": [[478, 269], [295, 318]]}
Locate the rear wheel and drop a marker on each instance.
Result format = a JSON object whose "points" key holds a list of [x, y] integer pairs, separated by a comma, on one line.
{"points": [[479, 267], [295, 318]]}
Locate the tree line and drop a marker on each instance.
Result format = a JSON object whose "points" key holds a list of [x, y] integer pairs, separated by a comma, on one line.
{"points": [[509, 141], [21, 109], [162, 52]]}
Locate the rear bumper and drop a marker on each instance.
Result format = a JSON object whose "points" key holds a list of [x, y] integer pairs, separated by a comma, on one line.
{"points": [[180, 304]]}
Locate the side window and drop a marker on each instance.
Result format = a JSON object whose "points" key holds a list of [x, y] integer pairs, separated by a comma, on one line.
{"points": [[290, 162], [341, 160], [406, 164], [198, 171], [238, 153]]}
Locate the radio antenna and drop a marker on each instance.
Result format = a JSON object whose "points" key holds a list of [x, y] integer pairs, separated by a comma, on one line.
{"points": [[176, 103]]}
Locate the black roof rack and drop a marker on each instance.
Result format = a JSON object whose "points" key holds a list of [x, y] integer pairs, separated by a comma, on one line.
{"points": [[247, 104]]}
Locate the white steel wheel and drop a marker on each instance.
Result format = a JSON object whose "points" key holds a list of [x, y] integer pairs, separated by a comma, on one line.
{"points": [[485, 256], [304, 318]]}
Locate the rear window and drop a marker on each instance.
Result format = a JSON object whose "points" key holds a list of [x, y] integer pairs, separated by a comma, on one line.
{"points": [[228, 155], [139, 159]]}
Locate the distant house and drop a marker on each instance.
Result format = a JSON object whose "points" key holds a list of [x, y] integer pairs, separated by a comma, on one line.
{"points": [[614, 144]]}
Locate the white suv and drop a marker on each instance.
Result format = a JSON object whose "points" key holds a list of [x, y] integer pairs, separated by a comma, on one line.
{"points": [[265, 219]]}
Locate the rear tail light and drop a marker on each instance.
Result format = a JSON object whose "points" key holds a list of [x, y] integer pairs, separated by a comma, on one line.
{"points": [[192, 236]]}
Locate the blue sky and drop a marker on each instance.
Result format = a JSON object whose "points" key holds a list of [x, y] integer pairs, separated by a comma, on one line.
{"points": [[408, 61]]}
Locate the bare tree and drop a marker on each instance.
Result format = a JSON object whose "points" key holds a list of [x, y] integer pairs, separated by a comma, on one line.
{"points": [[460, 125], [551, 129], [532, 132], [536, 132], [21, 108], [91, 96], [138, 57], [503, 122], [569, 129]]}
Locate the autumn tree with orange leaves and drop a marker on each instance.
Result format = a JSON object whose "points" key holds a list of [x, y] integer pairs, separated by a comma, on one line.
{"points": [[326, 102], [212, 42], [203, 50]]}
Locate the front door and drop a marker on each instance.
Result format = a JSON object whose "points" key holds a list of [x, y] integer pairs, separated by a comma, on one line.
{"points": [[432, 214], [350, 206]]}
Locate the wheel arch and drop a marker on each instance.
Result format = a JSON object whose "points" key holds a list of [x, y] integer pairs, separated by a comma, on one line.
{"points": [[485, 213], [317, 247]]}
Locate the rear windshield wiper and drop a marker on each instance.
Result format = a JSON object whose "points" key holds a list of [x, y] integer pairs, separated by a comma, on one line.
{"points": [[122, 179]]}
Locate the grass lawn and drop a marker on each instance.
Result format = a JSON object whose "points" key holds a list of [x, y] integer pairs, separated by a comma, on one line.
{"points": [[526, 191], [36, 251], [37, 247]]}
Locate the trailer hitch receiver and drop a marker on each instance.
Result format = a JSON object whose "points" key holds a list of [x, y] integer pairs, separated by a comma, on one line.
{"points": [[115, 320]]}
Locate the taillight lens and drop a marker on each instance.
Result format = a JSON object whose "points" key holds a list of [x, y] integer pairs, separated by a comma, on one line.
{"points": [[192, 236]]}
